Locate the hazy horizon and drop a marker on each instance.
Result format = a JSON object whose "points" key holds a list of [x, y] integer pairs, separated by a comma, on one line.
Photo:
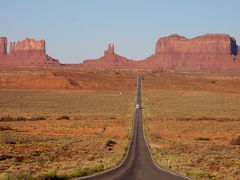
{"points": [[79, 30]]}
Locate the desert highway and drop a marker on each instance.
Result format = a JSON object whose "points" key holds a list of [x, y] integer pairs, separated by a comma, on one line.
{"points": [[138, 163]]}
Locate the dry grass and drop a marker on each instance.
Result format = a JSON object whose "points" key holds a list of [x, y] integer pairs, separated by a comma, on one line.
{"points": [[63, 102], [62, 133], [190, 123]]}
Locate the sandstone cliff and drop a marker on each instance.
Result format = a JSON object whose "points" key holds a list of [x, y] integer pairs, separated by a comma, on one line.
{"points": [[110, 50], [206, 44], [12, 49], [30, 46], [110, 60], [210, 52], [28, 52]]}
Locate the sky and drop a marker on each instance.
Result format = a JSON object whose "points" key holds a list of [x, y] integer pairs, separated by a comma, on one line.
{"points": [[76, 30]]}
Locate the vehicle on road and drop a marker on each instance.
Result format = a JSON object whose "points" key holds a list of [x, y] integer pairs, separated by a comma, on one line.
{"points": [[138, 106]]}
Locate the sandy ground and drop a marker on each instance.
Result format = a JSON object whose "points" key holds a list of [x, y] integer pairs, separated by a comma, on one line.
{"points": [[73, 122], [64, 130], [191, 120]]}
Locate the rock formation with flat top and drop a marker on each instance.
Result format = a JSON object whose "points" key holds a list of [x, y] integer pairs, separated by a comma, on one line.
{"points": [[30, 47], [206, 44], [209, 52], [28, 52]]}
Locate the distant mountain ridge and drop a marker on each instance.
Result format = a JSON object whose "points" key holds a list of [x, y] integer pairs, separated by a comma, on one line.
{"points": [[209, 52]]}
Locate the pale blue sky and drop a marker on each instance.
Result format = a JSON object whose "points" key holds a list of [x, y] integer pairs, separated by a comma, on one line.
{"points": [[76, 30]]}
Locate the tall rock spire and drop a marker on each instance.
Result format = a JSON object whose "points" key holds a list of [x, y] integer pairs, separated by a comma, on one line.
{"points": [[3, 46], [113, 48], [110, 50], [12, 50]]}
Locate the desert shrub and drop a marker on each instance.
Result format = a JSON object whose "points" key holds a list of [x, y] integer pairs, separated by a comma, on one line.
{"points": [[87, 171], [38, 118], [5, 156], [83, 172], [125, 150], [203, 175], [110, 143], [10, 142], [18, 176], [5, 128], [63, 117], [236, 141], [6, 118], [98, 169], [20, 119], [203, 139], [53, 176], [19, 158], [50, 176], [200, 175], [207, 119]]}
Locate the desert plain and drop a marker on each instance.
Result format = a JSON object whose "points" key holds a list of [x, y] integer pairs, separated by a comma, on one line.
{"points": [[62, 123], [192, 122]]}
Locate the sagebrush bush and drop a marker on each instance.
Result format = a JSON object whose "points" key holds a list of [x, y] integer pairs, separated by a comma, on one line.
{"points": [[63, 117], [236, 141], [203, 139], [110, 143], [2, 128], [6, 118]]}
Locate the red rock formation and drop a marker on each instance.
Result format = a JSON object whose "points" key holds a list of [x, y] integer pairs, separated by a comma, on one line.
{"points": [[26, 53], [3, 46], [110, 60], [210, 52], [206, 44], [110, 50], [12, 50], [30, 47]]}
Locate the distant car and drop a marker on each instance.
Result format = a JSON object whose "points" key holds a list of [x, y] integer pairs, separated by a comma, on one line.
{"points": [[138, 106]]}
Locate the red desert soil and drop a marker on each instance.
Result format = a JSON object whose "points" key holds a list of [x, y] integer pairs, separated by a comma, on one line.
{"points": [[192, 121], [64, 122], [62, 79]]}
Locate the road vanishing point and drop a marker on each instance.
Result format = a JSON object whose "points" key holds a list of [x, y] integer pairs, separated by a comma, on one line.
{"points": [[138, 163]]}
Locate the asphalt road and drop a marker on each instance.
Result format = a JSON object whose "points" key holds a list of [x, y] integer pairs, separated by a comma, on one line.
{"points": [[138, 163]]}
